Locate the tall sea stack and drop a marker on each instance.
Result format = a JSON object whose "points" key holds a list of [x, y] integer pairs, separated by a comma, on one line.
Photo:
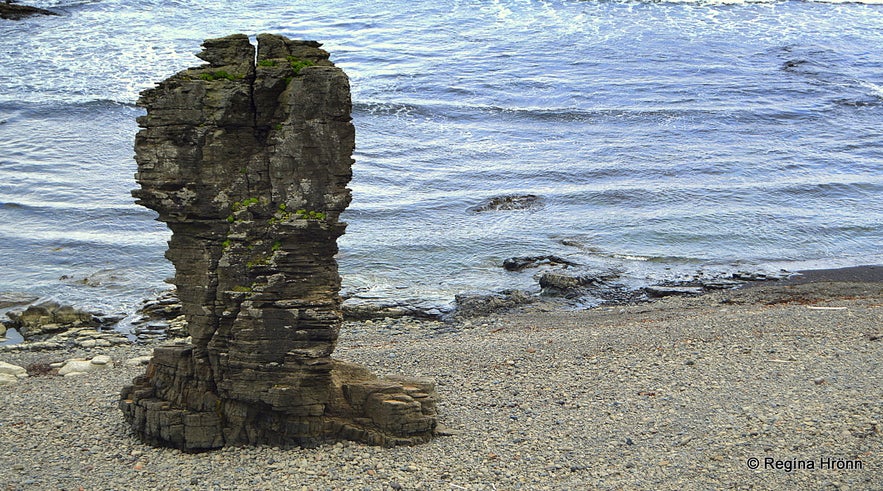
{"points": [[246, 159]]}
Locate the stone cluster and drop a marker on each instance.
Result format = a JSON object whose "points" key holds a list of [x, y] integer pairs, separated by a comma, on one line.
{"points": [[50, 325], [247, 159], [77, 337], [160, 318], [49, 318]]}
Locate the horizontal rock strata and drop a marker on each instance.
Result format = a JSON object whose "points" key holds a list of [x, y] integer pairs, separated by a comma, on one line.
{"points": [[247, 159]]}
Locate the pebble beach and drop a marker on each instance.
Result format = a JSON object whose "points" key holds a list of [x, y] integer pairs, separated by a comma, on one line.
{"points": [[771, 387]]}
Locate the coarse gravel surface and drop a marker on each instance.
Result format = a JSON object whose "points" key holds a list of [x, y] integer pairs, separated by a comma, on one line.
{"points": [[676, 394]]}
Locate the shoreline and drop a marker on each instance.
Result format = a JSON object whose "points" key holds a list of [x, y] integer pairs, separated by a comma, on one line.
{"points": [[864, 274], [160, 315], [575, 291], [673, 394]]}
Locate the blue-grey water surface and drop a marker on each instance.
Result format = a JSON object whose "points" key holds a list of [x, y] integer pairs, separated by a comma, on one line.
{"points": [[664, 138]]}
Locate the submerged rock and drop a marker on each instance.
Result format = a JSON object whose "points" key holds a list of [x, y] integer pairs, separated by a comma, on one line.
{"points": [[247, 163], [508, 203], [523, 262], [11, 11]]}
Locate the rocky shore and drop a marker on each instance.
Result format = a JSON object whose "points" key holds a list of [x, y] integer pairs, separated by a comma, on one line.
{"points": [[680, 393]]}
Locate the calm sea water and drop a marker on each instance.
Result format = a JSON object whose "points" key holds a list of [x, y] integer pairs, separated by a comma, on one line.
{"points": [[665, 138]]}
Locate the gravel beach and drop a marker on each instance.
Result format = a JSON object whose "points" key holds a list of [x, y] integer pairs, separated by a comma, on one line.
{"points": [[681, 393]]}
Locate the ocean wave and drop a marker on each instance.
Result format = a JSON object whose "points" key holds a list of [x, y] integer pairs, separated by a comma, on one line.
{"points": [[48, 107], [97, 209], [875, 90], [389, 109], [832, 190], [871, 95], [664, 259], [60, 4], [660, 111], [461, 111], [106, 237], [846, 77]]}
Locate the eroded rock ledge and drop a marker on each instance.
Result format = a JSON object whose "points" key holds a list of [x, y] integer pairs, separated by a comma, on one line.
{"points": [[246, 159]]}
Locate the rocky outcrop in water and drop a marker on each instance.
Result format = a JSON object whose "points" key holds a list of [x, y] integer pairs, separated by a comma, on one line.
{"points": [[521, 263], [12, 11], [510, 202], [247, 163]]}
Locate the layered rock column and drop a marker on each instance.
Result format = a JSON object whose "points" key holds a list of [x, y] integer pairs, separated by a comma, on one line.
{"points": [[247, 159]]}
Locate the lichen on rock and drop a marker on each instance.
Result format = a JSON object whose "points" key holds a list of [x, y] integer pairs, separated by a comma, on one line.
{"points": [[247, 159]]}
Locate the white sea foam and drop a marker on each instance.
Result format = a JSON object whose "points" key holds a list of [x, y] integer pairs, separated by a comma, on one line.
{"points": [[876, 90]]}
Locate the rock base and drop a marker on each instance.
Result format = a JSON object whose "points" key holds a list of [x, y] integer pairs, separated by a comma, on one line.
{"points": [[169, 406]]}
